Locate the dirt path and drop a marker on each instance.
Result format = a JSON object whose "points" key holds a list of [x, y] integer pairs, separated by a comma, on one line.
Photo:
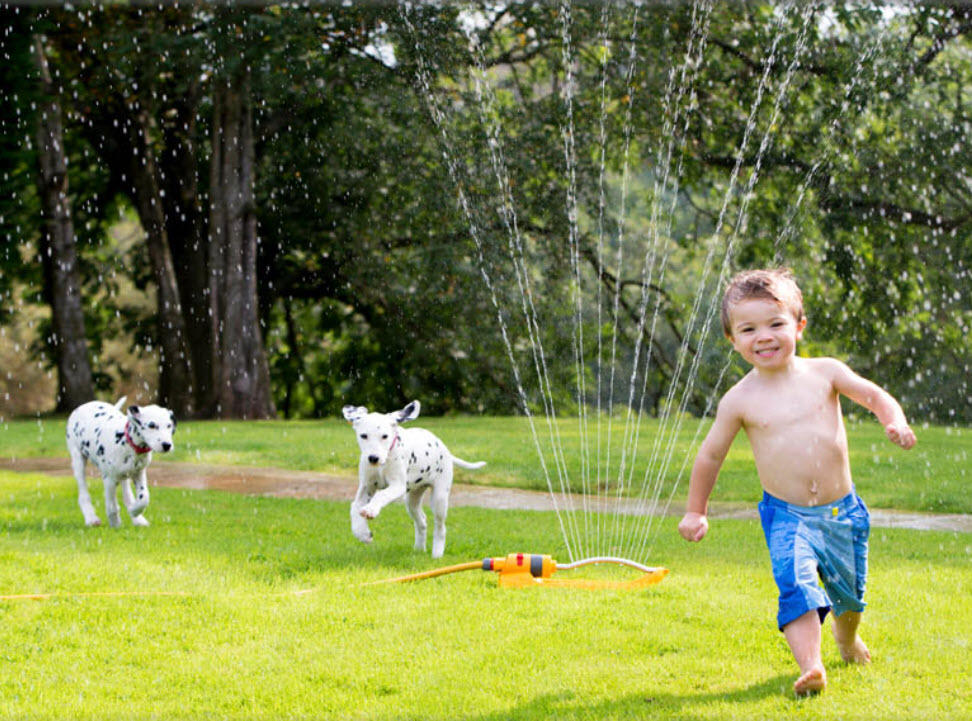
{"points": [[309, 484]]}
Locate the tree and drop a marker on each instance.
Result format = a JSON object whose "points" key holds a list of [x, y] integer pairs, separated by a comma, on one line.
{"points": [[57, 247], [242, 379]]}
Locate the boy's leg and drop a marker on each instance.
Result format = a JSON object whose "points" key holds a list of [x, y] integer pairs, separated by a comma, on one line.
{"points": [[852, 648], [803, 635]]}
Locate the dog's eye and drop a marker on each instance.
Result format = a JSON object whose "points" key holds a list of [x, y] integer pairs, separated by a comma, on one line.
{"points": [[384, 436], [153, 426], [364, 436]]}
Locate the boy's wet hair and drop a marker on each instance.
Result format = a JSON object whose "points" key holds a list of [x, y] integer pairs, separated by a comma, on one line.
{"points": [[774, 284]]}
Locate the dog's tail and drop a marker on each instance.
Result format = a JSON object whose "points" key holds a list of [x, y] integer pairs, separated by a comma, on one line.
{"points": [[467, 464], [120, 403]]}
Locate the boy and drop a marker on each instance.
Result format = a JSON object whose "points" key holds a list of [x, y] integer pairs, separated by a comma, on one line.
{"points": [[813, 520]]}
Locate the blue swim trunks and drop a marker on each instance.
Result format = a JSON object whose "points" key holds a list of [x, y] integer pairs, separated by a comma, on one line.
{"points": [[814, 546]]}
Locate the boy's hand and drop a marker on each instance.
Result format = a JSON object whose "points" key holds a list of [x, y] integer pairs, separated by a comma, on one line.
{"points": [[693, 526], [902, 435]]}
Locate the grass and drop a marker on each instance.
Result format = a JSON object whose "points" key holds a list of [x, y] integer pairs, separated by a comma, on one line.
{"points": [[933, 476], [700, 645]]}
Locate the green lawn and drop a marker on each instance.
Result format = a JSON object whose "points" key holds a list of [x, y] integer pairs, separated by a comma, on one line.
{"points": [[240, 645], [933, 476]]}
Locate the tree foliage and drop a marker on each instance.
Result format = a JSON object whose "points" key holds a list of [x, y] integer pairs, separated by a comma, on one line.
{"points": [[441, 189]]}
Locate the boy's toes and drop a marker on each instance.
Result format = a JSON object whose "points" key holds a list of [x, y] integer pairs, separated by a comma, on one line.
{"points": [[813, 681]]}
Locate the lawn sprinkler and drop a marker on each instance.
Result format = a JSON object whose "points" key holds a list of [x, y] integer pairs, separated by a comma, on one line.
{"points": [[523, 570]]}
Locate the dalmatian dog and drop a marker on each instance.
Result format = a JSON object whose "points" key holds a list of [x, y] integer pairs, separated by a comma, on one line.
{"points": [[120, 445], [397, 462]]}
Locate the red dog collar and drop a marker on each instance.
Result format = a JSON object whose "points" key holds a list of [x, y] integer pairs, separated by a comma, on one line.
{"points": [[138, 449]]}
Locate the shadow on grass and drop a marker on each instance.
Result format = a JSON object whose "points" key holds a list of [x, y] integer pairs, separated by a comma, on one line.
{"points": [[648, 704]]}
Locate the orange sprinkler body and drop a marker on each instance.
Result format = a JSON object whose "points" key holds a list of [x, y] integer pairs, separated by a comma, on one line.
{"points": [[522, 570]]}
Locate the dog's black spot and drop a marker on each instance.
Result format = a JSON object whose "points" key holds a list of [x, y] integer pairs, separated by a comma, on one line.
{"points": [[119, 437], [101, 450]]}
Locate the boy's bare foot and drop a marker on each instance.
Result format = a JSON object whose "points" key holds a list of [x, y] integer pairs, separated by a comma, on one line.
{"points": [[855, 652], [813, 681]]}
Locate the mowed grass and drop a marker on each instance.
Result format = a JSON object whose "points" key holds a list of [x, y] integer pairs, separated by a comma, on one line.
{"points": [[242, 645], [934, 476]]}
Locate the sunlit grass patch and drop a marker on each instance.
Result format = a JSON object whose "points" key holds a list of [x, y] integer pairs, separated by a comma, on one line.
{"points": [[242, 645]]}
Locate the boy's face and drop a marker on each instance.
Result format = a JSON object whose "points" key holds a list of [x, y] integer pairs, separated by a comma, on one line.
{"points": [[764, 333]]}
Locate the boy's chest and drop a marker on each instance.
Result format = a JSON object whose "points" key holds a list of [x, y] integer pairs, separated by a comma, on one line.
{"points": [[808, 404]]}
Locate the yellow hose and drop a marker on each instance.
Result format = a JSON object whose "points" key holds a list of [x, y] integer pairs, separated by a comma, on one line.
{"points": [[430, 574], [85, 594]]}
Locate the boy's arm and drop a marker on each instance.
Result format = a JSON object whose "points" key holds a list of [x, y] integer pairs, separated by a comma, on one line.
{"points": [[877, 400], [705, 470]]}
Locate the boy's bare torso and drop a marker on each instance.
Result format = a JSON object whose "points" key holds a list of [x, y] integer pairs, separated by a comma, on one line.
{"points": [[794, 425]]}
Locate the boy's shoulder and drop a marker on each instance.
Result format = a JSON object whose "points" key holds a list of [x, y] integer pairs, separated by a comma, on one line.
{"points": [[823, 365], [738, 394]]}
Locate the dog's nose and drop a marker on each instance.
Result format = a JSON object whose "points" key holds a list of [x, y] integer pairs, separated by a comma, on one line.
{"points": [[373, 460], [166, 447]]}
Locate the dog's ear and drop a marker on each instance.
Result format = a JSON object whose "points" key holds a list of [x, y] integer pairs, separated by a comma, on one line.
{"points": [[173, 419], [354, 413], [409, 412]]}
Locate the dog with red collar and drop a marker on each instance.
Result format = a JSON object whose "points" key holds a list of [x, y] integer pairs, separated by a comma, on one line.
{"points": [[120, 445], [401, 462]]}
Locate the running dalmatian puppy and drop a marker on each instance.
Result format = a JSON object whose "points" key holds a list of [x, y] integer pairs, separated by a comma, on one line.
{"points": [[121, 447], [398, 462]]}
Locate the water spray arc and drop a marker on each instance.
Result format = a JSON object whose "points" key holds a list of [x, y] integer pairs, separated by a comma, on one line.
{"points": [[618, 493]]}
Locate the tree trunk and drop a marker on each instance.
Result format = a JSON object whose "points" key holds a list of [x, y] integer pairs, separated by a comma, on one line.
{"points": [[176, 383], [57, 248], [188, 239], [241, 374]]}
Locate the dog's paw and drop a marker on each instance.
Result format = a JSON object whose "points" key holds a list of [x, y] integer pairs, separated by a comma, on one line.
{"points": [[91, 522], [138, 508], [140, 521]]}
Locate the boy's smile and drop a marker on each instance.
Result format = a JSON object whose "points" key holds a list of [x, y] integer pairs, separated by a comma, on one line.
{"points": [[764, 333]]}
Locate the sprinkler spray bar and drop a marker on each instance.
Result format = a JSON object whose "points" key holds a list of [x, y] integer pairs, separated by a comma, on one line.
{"points": [[519, 570]]}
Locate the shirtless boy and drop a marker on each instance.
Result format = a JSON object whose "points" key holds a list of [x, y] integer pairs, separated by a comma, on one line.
{"points": [[814, 522]]}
